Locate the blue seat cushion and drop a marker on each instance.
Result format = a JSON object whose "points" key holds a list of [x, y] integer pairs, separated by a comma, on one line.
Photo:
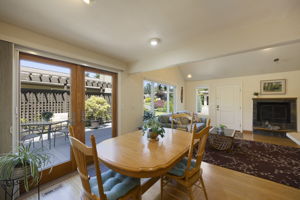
{"points": [[180, 167], [115, 185]]}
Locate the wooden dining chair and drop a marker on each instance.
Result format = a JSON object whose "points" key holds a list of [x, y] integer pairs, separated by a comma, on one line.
{"points": [[208, 121], [188, 172], [106, 186], [179, 119]]}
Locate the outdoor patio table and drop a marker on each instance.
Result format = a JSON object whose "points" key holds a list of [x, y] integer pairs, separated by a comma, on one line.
{"points": [[133, 155], [44, 124]]}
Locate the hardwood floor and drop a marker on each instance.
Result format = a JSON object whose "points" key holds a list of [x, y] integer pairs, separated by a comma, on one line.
{"points": [[270, 139], [221, 183]]}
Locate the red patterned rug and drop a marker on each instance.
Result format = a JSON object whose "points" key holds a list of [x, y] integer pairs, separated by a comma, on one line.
{"points": [[277, 163]]}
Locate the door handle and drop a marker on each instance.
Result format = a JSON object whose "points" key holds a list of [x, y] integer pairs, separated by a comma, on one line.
{"points": [[217, 107]]}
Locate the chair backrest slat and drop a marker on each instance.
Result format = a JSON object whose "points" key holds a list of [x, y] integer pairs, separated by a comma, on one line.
{"points": [[81, 152], [201, 138], [190, 117]]}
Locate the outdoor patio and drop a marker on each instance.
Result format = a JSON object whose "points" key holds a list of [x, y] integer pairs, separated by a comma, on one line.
{"points": [[61, 152]]}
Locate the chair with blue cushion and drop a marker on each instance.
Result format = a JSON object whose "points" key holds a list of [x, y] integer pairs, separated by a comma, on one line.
{"points": [[187, 172], [109, 185]]}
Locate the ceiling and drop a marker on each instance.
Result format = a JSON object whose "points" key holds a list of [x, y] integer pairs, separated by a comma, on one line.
{"points": [[248, 63], [122, 29]]}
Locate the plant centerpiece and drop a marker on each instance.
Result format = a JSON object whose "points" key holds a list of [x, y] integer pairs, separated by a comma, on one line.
{"points": [[153, 129], [23, 165], [97, 110], [221, 128], [47, 116]]}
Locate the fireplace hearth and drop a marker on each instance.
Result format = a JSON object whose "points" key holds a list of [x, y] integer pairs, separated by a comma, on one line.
{"points": [[274, 116]]}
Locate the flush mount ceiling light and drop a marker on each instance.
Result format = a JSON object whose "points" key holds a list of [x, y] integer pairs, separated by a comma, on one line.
{"points": [[154, 42], [189, 75], [88, 1]]}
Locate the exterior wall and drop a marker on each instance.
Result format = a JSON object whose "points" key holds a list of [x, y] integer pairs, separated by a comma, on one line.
{"points": [[132, 95], [250, 84], [6, 71]]}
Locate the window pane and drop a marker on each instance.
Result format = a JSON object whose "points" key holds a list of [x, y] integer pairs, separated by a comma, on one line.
{"points": [[45, 103], [158, 98], [202, 101], [147, 95], [171, 102]]}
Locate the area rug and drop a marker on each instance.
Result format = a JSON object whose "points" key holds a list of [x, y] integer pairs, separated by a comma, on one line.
{"points": [[277, 163]]}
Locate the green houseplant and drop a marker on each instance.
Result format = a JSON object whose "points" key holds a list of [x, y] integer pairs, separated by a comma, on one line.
{"points": [[97, 110], [25, 165], [221, 128], [153, 129], [47, 116]]}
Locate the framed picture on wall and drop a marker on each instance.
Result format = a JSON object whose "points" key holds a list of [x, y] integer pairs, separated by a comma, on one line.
{"points": [[277, 86]]}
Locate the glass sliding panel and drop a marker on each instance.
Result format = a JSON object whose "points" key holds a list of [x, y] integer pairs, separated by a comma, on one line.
{"points": [[45, 105], [98, 106]]}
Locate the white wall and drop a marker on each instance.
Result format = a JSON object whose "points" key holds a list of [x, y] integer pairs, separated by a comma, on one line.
{"points": [[133, 91], [250, 84], [37, 41]]}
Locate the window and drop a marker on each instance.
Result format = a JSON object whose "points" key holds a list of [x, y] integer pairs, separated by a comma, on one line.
{"points": [[202, 101], [159, 98]]}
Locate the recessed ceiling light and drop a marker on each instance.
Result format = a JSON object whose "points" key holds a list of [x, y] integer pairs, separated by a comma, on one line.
{"points": [[88, 1], [154, 42], [189, 75]]}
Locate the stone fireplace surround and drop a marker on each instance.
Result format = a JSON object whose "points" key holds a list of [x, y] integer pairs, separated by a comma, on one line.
{"points": [[274, 116]]}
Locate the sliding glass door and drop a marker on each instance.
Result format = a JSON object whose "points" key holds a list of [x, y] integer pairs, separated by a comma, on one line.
{"points": [[45, 110], [55, 94]]}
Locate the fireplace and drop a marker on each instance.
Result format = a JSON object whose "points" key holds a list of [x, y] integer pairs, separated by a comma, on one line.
{"points": [[274, 116]]}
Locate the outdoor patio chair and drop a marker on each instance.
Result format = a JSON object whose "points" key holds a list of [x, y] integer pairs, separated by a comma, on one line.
{"points": [[61, 128], [31, 132]]}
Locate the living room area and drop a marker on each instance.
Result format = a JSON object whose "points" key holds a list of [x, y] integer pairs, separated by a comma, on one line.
{"points": [[216, 83]]}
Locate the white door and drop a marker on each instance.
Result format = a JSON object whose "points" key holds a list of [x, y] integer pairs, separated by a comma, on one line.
{"points": [[228, 106]]}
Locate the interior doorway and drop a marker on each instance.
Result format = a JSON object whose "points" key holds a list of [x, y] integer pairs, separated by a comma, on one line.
{"points": [[228, 106]]}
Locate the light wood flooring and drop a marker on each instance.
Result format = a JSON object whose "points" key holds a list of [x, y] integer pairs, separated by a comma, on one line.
{"points": [[221, 184]]}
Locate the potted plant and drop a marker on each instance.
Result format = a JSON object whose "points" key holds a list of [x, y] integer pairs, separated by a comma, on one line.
{"points": [[24, 165], [47, 116], [221, 128], [97, 110], [153, 129]]}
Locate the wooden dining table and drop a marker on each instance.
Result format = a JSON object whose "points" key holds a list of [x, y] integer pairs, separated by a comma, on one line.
{"points": [[132, 154]]}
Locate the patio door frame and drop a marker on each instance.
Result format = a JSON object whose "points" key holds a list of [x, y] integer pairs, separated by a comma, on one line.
{"points": [[80, 121], [77, 106], [67, 167]]}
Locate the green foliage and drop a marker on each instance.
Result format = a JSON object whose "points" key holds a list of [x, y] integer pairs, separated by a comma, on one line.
{"points": [[148, 100], [47, 115], [148, 115], [97, 108], [30, 160], [153, 125], [222, 126]]}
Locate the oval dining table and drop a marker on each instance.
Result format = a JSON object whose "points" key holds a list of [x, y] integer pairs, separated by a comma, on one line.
{"points": [[132, 154]]}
